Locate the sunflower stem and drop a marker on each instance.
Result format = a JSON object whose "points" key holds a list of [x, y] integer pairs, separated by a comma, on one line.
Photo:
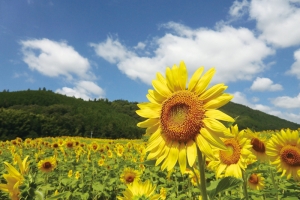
{"points": [[245, 191], [201, 165], [273, 181]]}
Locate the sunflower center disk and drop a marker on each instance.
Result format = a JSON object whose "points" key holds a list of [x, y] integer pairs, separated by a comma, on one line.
{"points": [[181, 116], [258, 145], [232, 155], [253, 179], [47, 165], [290, 155]]}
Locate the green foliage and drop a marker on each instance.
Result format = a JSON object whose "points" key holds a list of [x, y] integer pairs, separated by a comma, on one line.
{"points": [[42, 113], [32, 114]]}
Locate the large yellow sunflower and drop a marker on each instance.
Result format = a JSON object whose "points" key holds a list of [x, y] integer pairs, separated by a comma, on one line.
{"points": [[284, 151], [182, 117], [235, 159], [140, 190]]}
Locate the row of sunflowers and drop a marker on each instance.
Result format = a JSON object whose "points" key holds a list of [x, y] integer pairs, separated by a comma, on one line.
{"points": [[193, 151]]}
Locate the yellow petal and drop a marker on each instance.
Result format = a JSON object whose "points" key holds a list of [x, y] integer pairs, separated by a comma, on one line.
{"points": [[155, 135], [183, 75], [217, 114], [220, 169], [191, 151], [156, 151], [170, 79], [195, 78], [214, 125], [154, 143], [162, 89], [213, 140], [156, 96], [173, 156], [218, 102], [164, 153], [147, 123], [205, 147], [152, 129], [213, 92], [182, 157], [204, 81]]}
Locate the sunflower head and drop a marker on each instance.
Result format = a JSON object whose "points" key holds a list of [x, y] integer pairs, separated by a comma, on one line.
{"points": [[258, 142], [129, 175], [284, 151], [256, 181], [47, 165], [140, 191], [183, 117], [235, 158]]}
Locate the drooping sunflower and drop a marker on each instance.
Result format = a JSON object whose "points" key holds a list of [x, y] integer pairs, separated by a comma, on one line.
{"points": [[256, 181], [258, 145], [140, 190], [47, 165], [129, 175], [284, 151], [235, 158], [182, 117]]}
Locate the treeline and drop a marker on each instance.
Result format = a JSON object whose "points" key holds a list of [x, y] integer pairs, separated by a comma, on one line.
{"points": [[44, 113]]}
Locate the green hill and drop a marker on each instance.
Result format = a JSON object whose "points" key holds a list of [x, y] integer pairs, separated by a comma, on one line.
{"points": [[44, 113]]}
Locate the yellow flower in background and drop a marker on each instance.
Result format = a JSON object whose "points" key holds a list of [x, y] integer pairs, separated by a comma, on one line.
{"points": [[182, 117], [109, 153], [256, 182], [77, 175], [284, 151], [194, 176], [119, 150], [101, 162], [235, 158], [258, 145], [140, 190], [47, 165], [129, 175], [70, 173]]}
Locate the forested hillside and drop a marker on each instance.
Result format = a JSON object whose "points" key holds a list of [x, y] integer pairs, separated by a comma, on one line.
{"points": [[44, 113]]}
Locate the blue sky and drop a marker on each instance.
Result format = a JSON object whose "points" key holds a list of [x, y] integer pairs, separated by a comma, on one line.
{"points": [[113, 48]]}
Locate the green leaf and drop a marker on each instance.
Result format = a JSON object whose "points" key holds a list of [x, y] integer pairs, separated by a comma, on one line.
{"points": [[222, 185], [98, 187], [63, 195]]}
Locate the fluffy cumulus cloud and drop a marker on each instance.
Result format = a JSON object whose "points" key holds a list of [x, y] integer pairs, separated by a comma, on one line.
{"points": [[278, 21], [54, 59], [84, 90], [58, 59], [287, 102], [235, 52], [289, 115], [265, 84], [239, 8], [295, 68]]}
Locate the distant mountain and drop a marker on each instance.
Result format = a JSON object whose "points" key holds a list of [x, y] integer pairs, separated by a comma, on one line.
{"points": [[41, 113]]}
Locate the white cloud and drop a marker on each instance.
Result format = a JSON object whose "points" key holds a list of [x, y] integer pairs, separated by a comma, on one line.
{"points": [[238, 8], [54, 59], [295, 68], [83, 89], [140, 45], [236, 53], [287, 102], [241, 98], [265, 84], [278, 21]]}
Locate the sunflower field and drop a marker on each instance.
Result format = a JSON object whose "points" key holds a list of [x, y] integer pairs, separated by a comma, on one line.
{"points": [[190, 150]]}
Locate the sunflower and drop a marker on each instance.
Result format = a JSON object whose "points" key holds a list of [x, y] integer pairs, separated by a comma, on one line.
{"points": [[101, 162], [256, 182], [181, 117], [70, 173], [235, 158], [284, 151], [47, 165], [258, 145], [194, 176], [140, 190], [129, 175]]}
